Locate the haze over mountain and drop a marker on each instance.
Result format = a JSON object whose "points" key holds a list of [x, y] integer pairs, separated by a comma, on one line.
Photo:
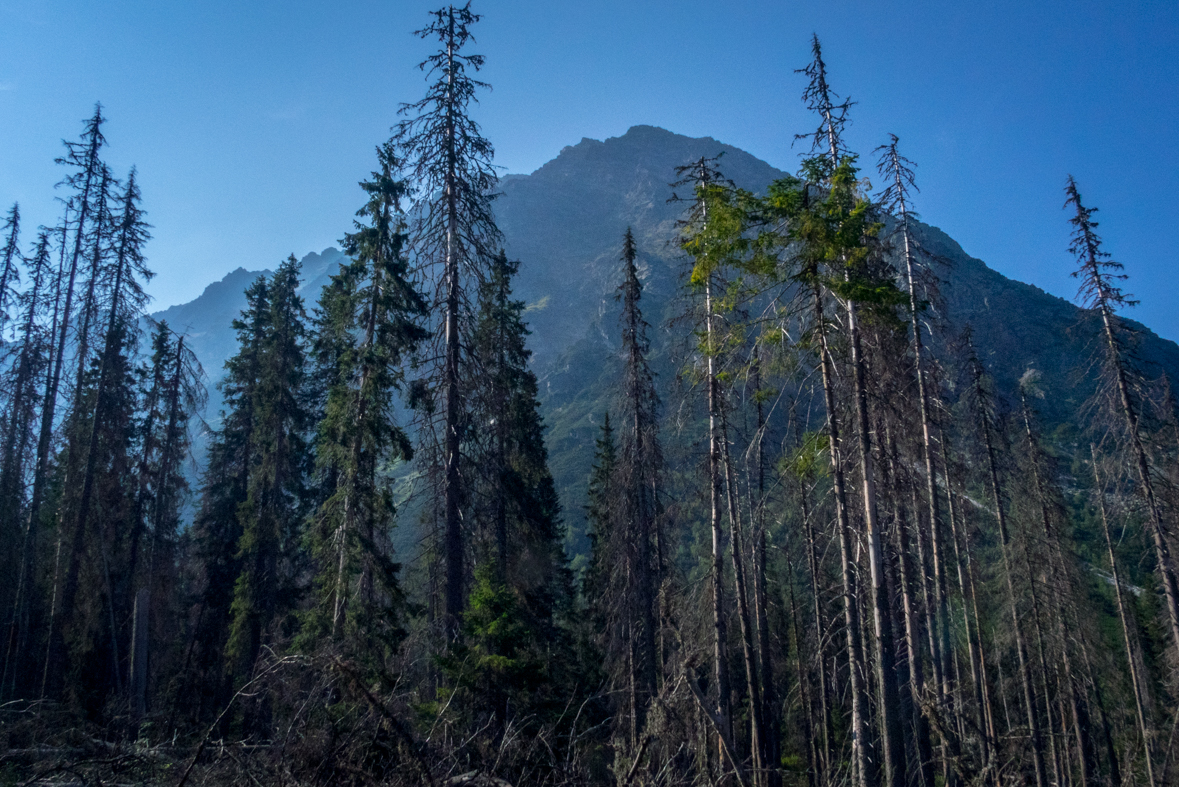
{"points": [[565, 223]]}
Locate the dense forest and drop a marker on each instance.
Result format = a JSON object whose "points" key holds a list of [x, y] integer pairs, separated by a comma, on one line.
{"points": [[828, 550]]}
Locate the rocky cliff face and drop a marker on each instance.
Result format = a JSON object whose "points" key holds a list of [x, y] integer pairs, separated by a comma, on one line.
{"points": [[565, 223]]}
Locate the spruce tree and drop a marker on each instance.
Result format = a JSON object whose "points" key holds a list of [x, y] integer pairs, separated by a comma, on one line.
{"points": [[10, 264], [1099, 291], [454, 238], [28, 362], [216, 529], [173, 393], [602, 513], [622, 582], [368, 333], [518, 498], [276, 487], [99, 436], [516, 644], [640, 463]]}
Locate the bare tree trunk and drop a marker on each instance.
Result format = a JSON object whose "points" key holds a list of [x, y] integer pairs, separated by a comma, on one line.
{"points": [[1060, 585], [928, 608], [455, 573], [736, 552], [769, 706], [893, 741], [1045, 675], [912, 625], [715, 463], [970, 604], [812, 557], [1144, 728], [1005, 544], [1017, 627], [973, 633], [1115, 770], [813, 776], [139, 638], [864, 777]]}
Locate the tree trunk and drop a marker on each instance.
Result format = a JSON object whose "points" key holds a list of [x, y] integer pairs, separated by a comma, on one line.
{"points": [[720, 660], [1060, 585], [1017, 626], [1144, 727], [893, 741], [813, 775], [970, 604], [812, 556], [736, 551], [973, 632], [864, 777], [771, 756], [1045, 675], [912, 626], [455, 575]]}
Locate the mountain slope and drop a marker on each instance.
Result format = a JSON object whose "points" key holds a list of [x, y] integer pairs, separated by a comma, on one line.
{"points": [[207, 320], [565, 223]]}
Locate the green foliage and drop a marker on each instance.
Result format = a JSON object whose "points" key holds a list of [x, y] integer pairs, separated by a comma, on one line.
{"points": [[368, 331], [500, 664], [275, 503], [809, 460], [601, 508], [517, 512]]}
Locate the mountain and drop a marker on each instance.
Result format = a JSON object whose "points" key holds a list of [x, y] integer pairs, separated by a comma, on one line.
{"points": [[565, 222], [207, 320]]}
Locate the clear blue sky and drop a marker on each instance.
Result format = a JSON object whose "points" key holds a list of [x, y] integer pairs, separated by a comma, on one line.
{"points": [[251, 122]]}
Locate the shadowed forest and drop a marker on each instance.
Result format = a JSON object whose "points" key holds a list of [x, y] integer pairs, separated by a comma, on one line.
{"points": [[827, 549]]}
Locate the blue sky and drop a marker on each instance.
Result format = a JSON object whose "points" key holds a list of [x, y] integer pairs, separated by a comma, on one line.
{"points": [[251, 121]]}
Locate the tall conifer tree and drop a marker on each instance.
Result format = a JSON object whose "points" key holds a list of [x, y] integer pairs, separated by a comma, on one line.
{"points": [[99, 438], [1099, 276], [10, 259], [276, 490], [454, 238], [30, 358], [216, 529], [368, 333], [514, 654], [640, 463], [517, 494]]}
